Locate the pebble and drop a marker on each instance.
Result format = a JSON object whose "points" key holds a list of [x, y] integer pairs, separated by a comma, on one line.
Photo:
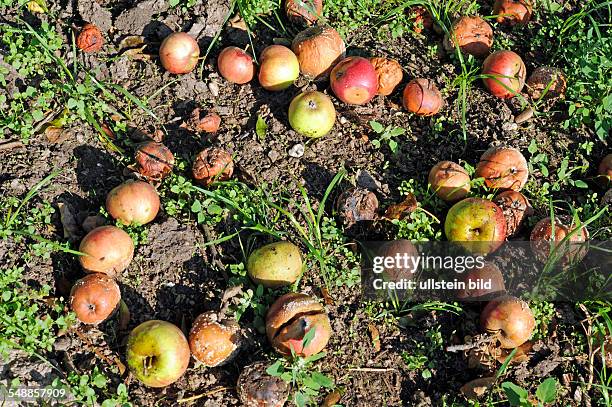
{"points": [[273, 155], [343, 120], [507, 126], [214, 88], [296, 151], [527, 114]]}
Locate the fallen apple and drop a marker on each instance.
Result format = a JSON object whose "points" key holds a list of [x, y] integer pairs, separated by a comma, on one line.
{"points": [[513, 12], [604, 171], [422, 97], [214, 341], [157, 353], [179, 53], [235, 65], [356, 205], [312, 114], [547, 235], [472, 34], [154, 161], [275, 265], [546, 82], [278, 68], [212, 164], [305, 12], [133, 202], [317, 49], [393, 249], [503, 168], [354, 80], [449, 180], [107, 249], [475, 278], [94, 298], [389, 73], [256, 388], [504, 73], [290, 318], [90, 38], [516, 208], [476, 224], [510, 318]]}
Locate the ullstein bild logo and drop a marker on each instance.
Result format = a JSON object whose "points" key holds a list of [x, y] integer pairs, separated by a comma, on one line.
{"points": [[458, 271]]}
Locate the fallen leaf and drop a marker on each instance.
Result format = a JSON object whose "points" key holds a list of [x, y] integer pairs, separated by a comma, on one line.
{"points": [[326, 296], [477, 388], [71, 228], [521, 355], [54, 134], [332, 399], [402, 209], [375, 334], [238, 23], [138, 54], [131, 41]]}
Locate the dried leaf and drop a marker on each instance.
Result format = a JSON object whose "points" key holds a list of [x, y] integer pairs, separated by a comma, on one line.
{"points": [[54, 134], [131, 41], [326, 296], [120, 366], [477, 388], [402, 209], [521, 355], [137, 54], [332, 399], [71, 228], [375, 334], [238, 23]]}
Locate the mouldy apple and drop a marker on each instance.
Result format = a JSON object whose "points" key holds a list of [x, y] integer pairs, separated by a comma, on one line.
{"points": [[510, 318], [256, 388], [490, 272], [179, 53], [546, 233], [356, 205], [318, 49], [546, 82], [235, 65], [276, 264], [513, 12], [604, 171], [312, 114], [154, 161], [94, 298], [354, 80], [476, 224], [503, 168], [516, 209], [471, 34], [290, 318], [278, 68], [504, 73], [214, 341], [449, 180], [90, 38], [305, 12], [107, 249], [422, 97], [212, 164], [133, 202], [157, 353], [389, 73]]}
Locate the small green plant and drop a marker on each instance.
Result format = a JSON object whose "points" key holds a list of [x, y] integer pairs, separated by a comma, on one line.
{"points": [[386, 135], [546, 393], [300, 374], [543, 312], [87, 389], [423, 357], [420, 224]]}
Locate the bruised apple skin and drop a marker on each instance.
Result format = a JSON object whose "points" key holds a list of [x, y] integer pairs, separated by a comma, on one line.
{"points": [[449, 180], [512, 12], [422, 97], [505, 72], [543, 236], [154, 161], [212, 341], [212, 164], [256, 388], [503, 168], [318, 49], [511, 318], [94, 298], [490, 272], [133, 202], [301, 11], [389, 74], [476, 224], [275, 265], [472, 34], [312, 114], [354, 80], [516, 209], [235, 65], [290, 318], [107, 250], [179, 53], [278, 68], [157, 353], [605, 171]]}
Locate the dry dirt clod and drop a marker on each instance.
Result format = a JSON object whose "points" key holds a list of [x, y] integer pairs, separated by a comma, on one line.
{"points": [[296, 151]]}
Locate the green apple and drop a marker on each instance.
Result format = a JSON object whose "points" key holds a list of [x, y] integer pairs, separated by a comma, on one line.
{"points": [[275, 264], [476, 224], [312, 114], [157, 353]]}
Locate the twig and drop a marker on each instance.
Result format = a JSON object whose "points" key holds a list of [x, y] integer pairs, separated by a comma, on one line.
{"points": [[372, 369], [588, 330], [9, 145], [199, 396], [468, 346], [214, 252]]}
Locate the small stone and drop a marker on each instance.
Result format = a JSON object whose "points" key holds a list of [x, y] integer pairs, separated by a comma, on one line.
{"points": [[62, 344], [343, 120], [296, 151], [508, 127], [273, 155], [527, 114], [214, 88]]}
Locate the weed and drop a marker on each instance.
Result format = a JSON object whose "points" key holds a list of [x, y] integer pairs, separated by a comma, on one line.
{"points": [[543, 312], [420, 224], [517, 396], [87, 388], [423, 357], [387, 135]]}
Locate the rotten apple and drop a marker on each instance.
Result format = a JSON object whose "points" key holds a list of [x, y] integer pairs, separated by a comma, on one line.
{"points": [[510, 318], [305, 12], [275, 265], [235, 65], [214, 341], [516, 209], [389, 73], [212, 164], [154, 161], [547, 235], [503, 168], [604, 171], [312, 114], [317, 49], [513, 12], [290, 318], [546, 82], [422, 97], [179, 53], [107, 249], [476, 224], [157, 353], [133, 202], [421, 18], [472, 34], [504, 73], [278, 68], [256, 388], [90, 38], [449, 180], [94, 298], [354, 80], [356, 205]]}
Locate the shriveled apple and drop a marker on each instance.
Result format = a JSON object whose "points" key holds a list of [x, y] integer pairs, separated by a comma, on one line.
{"points": [[513, 12], [305, 12], [256, 388], [214, 341], [449, 180], [510, 318], [503, 168], [389, 73], [356, 205], [212, 164], [547, 235], [422, 97], [516, 209], [546, 82], [471, 34], [317, 49]]}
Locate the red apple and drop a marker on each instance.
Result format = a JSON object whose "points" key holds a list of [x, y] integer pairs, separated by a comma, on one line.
{"points": [[107, 250], [543, 238], [510, 318], [235, 65], [422, 97], [476, 224], [179, 53], [449, 181], [354, 80], [506, 74], [157, 353], [503, 168], [94, 298], [133, 202], [278, 69]]}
